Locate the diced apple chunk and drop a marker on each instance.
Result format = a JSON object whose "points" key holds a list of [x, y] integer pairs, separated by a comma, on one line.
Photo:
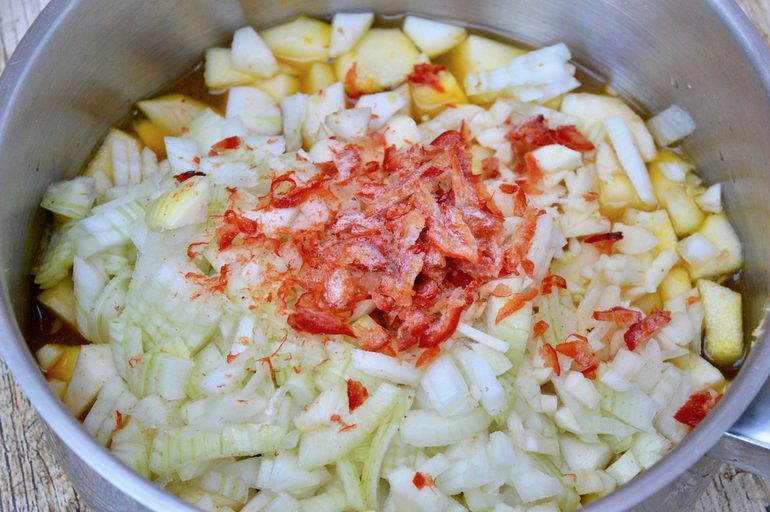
{"points": [[94, 366], [428, 101], [172, 113], [347, 29], [383, 59], [721, 234], [151, 136], [300, 41], [683, 210], [280, 86], [59, 387], [676, 283], [220, 73], [60, 300], [703, 375], [433, 37], [65, 365], [724, 322], [616, 192], [319, 76], [476, 54], [251, 55], [48, 355], [657, 222]]}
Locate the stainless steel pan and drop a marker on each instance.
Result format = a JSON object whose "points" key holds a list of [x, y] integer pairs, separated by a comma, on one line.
{"points": [[85, 61]]}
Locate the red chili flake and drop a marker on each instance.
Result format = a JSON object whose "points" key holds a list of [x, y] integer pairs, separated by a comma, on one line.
{"points": [[530, 135], [323, 362], [351, 88], [590, 372], [319, 322], [515, 303], [357, 394], [182, 177], [550, 281], [231, 357], [529, 267], [269, 362], [490, 167], [692, 300], [550, 359], [502, 290], [590, 196], [618, 315], [118, 421], [428, 356], [579, 349], [696, 408], [211, 285], [539, 328], [422, 480], [570, 136], [335, 418], [605, 241], [426, 74], [297, 369], [645, 329], [373, 337], [508, 188], [191, 253], [444, 329], [225, 144], [530, 184], [388, 350]]}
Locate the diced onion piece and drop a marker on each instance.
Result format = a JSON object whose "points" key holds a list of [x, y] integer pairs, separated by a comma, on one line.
{"points": [[72, 199], [556, 158], [401, 131], [256, 109], [349, 124], [445, 388], [671, 125], [383, 105], [182, 154], [385, 367], [630, 158], [424, 428], [293, 110], [482, 337]]}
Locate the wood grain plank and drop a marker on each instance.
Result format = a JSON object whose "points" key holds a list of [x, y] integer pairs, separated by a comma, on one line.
{"points": [[32, 481]]}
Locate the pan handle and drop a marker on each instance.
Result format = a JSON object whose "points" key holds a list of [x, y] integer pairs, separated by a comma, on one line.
{"points": [[747, 444]]}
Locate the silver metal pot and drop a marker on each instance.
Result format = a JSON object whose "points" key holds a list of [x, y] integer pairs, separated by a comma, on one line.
{"points": [[84, 62]]}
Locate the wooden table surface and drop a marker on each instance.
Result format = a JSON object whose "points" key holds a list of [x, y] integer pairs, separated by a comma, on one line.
{"points": [[32, 481]]}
